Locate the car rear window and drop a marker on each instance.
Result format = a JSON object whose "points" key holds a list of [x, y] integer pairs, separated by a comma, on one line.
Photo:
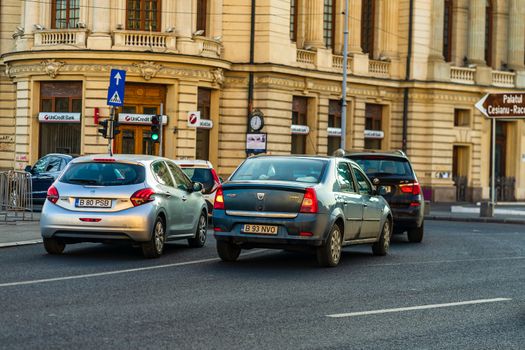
{"points": [[202, 175], [378, 166], [281, 169], [104, 174]]}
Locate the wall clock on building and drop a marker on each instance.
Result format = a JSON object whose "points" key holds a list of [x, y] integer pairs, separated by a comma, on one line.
{"points": [[256, 120]]}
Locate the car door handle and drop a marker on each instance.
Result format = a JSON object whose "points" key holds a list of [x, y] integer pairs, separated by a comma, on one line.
{"points": [[365, 205], [184, 198]]}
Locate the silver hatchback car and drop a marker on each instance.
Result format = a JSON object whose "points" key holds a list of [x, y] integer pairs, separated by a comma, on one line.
{"points": [[143, 200]]}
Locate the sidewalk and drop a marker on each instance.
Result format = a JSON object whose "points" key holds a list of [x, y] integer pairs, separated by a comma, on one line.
{"points": [[28, 232]]}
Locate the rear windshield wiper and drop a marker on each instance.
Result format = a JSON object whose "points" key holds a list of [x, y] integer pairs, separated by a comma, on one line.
{"points": [[84, 181]]}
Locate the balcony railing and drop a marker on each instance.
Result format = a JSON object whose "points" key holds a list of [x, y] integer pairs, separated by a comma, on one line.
{"points": [[208, 47], [337, 63], [462, 75], [73, 38], [132, 40], [380, 69], [503, 79], [306, 57]]}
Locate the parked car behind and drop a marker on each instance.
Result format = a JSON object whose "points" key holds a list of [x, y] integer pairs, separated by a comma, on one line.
{"points": [[393, 171], [313, 202], [45, 171], [138, 199], [202, 171]]}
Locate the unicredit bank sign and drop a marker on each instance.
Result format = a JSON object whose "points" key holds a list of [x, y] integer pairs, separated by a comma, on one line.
{"points": [[54, 117], [127, 118]]}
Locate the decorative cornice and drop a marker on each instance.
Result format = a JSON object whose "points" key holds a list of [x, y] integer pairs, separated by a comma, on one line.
{"points": [[218, 76], [148, 69], [51, 67]]}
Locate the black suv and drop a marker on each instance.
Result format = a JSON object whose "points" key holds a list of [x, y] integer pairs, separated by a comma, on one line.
{"points": [[403, 192]]}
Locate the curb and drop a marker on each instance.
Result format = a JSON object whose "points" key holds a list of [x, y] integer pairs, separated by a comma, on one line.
{"points": [[480, 219], [21, 243]]}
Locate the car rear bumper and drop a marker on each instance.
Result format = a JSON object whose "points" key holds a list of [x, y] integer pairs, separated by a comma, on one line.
{"points": [[133, 224], [410, 217], [288, 233]]}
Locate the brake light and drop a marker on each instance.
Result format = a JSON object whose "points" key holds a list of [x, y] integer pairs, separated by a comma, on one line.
{"points": [[52, 194], [309, 204], [413, 188], [219, 200], [142, 196], [104, 160], [90, 219]]}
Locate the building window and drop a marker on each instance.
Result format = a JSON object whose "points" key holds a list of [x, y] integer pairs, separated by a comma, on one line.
{"points": [[334, 121], [373, 122], [328, 23], [367, 27], [461, 117], [299, 117], [143, 15], [488, 33], [447, 31], [293, 20], [202, 15], [60, 137], [65, 13], [203, 135]]}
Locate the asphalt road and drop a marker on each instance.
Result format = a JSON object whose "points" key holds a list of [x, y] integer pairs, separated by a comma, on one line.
{"points": [[462, 288]]}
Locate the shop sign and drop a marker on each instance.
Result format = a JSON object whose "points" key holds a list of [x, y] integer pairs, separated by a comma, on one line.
{"points": [[194, 119], [300, 129], [55, 117], [374, 134], [255, 143], [334, 132], [205, 124], [127, 118]]}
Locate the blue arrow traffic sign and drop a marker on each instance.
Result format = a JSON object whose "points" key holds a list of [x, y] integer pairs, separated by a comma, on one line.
{"points": [[117, 83]]}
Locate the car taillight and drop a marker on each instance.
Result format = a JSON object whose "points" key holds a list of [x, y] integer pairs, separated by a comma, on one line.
{"points": [[413, 188], [219, 200], [142, 196], [52, 194], [309, 204]]}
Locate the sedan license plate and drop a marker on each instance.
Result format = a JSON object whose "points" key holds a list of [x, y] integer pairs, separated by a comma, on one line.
{"points": [[260, 229], [93, 203]]}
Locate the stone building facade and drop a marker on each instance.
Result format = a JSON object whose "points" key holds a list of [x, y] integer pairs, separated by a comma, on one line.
{"points": [[194, 55]]}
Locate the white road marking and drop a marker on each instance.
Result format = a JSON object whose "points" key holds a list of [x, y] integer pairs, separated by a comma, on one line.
{"points": [[14, 244], [421, 307], [90, 275]]}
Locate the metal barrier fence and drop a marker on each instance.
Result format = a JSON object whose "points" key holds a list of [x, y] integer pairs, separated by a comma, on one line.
{"points": [[16, 202]]}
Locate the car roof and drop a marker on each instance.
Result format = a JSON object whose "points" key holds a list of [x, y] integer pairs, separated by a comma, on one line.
{"points": [[197, 163], [137, 158], [61, 155], [319, 157], [391, 154]]}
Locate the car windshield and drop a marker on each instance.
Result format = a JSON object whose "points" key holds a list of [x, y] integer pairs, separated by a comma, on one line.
{"points": [[104, 174], [202, 175], [281, 169], [384, 166]]}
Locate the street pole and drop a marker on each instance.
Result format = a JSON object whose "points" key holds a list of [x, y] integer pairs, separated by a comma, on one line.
{"points": [[110, 131], [343, 89], [161, 136], [493, 170]]}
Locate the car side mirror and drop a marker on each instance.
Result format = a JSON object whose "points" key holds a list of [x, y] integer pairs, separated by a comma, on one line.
{"points": [[375, 181], [197, 187], [28, 168], [381, 190]]}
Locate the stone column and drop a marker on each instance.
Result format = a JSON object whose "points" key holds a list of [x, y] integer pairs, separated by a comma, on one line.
{"points": [[438, 18], [516, 49], [390, 11], [314, 23], [354, 26], [183, 21], [31, 16], [100, 39], [476, 36]]}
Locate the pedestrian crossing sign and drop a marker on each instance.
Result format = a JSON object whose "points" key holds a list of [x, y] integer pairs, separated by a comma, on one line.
{"points": [[117, 83], [116, 98]]}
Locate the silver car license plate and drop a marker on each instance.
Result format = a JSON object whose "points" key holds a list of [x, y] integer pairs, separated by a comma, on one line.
{"points": [[93, 203], [260, 229]]}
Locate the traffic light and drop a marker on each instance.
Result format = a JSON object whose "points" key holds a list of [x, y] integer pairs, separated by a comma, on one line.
{"points": [[104, 128], [155, 128], [115, 129]]}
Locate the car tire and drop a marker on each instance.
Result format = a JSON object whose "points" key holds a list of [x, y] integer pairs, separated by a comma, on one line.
{"points": [[380, 248], [200, 236], [329, 255], [227, 251], [154, 247], [415, 235], [54, 246]]}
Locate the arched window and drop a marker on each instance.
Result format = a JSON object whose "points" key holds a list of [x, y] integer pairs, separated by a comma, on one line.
{"points": [[65, 14], [488, 32], [367, 27], [447, 31], [328, 23], [143, 15], [202, 15]]}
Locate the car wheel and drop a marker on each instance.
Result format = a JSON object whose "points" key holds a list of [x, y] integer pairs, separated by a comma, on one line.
{"points": [[200, 236], [415, 235], [329, 254], [228, 251], [381, 246], [154, 247], [54, 246]]}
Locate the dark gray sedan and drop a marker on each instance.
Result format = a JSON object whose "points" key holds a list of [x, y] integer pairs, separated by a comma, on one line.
{"points": [[291, 202]]}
